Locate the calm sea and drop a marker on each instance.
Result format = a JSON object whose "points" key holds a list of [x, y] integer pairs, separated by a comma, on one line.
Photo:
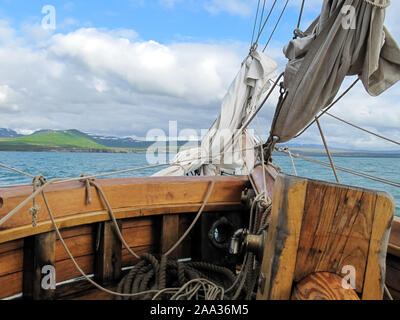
{"points": [[52, 165]]}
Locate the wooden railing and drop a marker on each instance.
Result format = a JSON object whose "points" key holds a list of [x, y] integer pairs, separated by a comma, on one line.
{"points": [[153, 212]]}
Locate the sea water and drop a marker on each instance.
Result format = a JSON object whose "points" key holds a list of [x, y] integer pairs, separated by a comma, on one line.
{"points": [[68, 164]]}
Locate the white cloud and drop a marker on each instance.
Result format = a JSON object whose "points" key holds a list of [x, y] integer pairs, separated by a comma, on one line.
{"points": [[112, 82], [101, 81], [195, 73]]}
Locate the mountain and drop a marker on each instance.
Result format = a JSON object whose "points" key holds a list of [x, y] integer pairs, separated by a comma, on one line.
{"points": [[77, 141], [72, 140], [8, 133], [50, 140], [128, 142], [116, 142]]}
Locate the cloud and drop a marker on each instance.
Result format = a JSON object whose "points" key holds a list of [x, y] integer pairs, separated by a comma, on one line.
{"points": [[111, 82], [195, 73]]}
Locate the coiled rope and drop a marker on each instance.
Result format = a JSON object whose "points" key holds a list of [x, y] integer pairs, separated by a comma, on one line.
{"points": [[176, 280]]}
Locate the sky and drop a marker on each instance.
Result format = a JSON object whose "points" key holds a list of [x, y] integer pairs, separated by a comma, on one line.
{"points": [[126, 67]]}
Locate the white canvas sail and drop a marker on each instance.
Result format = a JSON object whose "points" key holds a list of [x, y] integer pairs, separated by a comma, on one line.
{"points": [[348, 38], [238, 105]]}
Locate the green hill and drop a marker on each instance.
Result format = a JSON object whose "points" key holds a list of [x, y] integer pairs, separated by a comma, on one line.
{"points": [[69, 140]]}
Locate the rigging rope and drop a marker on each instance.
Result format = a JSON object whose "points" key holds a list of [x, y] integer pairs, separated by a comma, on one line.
{"points": [[262, 16], [16, 170], [357, 173], [255, 23], [362, 129], [265, 22], [276, 25], [327, 151], [301, 14], [293, 165], [328, 108]]}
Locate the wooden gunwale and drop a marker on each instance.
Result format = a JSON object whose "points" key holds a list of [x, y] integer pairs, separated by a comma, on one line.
{"points": [[129, 198]]}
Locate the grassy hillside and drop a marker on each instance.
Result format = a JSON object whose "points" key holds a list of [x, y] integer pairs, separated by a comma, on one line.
{"points": [[51, 140]]}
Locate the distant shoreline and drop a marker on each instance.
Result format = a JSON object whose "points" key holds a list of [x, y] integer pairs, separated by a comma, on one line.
{"points": [[303, 152]]}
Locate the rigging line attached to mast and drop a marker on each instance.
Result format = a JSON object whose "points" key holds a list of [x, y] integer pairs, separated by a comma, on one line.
{"points": [[266, 20], [276, 25], [362, 129], [328, 108], [301, 14], [17, 171], [262, 16], [327, 151], [357, 173], [255, 23]]}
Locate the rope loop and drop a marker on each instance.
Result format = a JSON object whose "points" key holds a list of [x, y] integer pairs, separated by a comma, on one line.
{"points": [[38, 181], [253, 48], [88, 182]]}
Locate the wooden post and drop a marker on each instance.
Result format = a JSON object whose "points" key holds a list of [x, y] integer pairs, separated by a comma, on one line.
{"points": [[282, 239], [318, 226], [323, 286], [170, 233], [108, 253], [39, 276]]}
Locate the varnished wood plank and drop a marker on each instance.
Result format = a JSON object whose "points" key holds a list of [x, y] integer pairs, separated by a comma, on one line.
{"points": [[139, 236], [336, 230], [10, 285], [12, 245], [39, 251], [323, 286], [282, 239], [123, 213], [138, 222], [78, 246], [70, 199], [169, 233], [337, 226], [11, 262], [375, 271], [77, 231], [65, 269], [108, 255]]}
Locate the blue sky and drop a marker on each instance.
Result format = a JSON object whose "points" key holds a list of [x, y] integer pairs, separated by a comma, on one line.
{"points": [[165, 21], [125, 67]]}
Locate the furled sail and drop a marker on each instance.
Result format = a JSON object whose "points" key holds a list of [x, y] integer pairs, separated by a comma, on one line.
{"points": [[348, 38], [226, 143]]}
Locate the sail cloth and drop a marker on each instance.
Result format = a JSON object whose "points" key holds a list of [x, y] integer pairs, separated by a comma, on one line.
{"points": [[238, 105], [348, 38]]}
